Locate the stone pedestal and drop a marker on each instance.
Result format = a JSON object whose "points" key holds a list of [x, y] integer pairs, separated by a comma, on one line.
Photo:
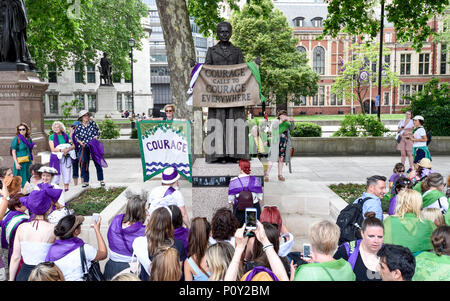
{"points": [[21, 95], [107, 98], [210, 185]]}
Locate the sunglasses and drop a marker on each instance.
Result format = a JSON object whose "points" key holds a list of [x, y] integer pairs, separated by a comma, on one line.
{"points": [[22, 129], [167, 111]]}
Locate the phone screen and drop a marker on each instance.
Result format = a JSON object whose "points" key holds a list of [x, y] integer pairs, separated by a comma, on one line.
{"points": [[250, 219], [306, 251]]}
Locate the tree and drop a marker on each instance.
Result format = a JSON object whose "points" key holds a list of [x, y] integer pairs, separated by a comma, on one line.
{"points": [[65, 32], [356, 74], [358, 17], [444, 36], [433, 103], [261, 31]]}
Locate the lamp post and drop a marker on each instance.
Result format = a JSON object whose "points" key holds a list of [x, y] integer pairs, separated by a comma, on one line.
{"points": [[380, 60], [131, 43]]}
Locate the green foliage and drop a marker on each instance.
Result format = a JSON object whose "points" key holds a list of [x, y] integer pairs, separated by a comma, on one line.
{"points": [[134, 134], [94, 200], [360, 126], [358, 17], [262, 31], [65, 32], [306, 129], [433, 103], [108, 129], [349, 83]]}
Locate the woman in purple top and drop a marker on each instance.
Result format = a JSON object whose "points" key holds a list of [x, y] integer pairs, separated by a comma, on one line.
{"points": [[400, 184], [121, 233]]}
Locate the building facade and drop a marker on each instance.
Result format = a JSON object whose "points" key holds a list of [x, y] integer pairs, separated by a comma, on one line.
{"points": [[325, 57]]}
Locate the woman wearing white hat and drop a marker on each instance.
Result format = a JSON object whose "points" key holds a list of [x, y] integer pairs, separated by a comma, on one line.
{"points": [[87, 134], [419, 137]]}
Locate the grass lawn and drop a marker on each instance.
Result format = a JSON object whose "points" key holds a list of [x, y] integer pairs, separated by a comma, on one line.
{"points": [[350, 192], [94, 200]]}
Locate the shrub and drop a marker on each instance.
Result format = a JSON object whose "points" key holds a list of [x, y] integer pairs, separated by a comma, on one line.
{"points": [[306, 129], [360, 126], [134, 134], [108, 129], [94, 200]]}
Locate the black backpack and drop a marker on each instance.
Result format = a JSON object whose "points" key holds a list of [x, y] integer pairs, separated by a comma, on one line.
{"points": [[429, 135], [350, 221]]}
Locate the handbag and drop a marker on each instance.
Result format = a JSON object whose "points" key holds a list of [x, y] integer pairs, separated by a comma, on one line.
{"points": [[398, 138], [93, 273], [23, 159]]}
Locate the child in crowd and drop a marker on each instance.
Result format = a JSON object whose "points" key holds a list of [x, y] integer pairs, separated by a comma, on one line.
{"points": [[399, 170]]}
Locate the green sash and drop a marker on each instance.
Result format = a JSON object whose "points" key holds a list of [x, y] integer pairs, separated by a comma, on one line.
{"points": [[409, 232], [284, 126], [431, 267], [336, 270], [417, 187], [255, 71], [431, 197], [447, 218]]}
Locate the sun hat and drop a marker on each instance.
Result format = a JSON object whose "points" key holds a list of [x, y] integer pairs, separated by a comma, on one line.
{"points": [[40, 201], [418, 117], [170, 175], [170, 105], [425, 163], [48, 169], [78, 221], [82, 113]]}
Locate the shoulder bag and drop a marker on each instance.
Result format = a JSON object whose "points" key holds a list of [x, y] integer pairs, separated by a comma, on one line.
{"points": [[93, 273]]}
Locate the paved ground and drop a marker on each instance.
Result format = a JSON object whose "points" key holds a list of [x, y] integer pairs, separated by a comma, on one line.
{"points": [[303, 198]]}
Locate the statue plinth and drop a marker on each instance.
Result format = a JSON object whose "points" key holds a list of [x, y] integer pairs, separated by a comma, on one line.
{"points": [[210, 185], [107, 102], [21, 95]]}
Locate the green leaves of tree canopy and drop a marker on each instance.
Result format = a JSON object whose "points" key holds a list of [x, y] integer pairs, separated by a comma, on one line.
{"points": [[358, 17], [72, 31], [259, 30]]}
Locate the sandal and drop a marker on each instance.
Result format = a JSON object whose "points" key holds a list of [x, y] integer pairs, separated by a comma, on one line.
{"points": [[281, 178], [102, 184], [266, 178], [84, 185]]}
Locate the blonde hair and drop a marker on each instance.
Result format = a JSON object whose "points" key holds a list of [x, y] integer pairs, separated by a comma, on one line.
{"points": [[46, 271], [409, 201], [218, 257], [435, 215], [60, 124], [324, 237], [165, 265], [126, 277]]}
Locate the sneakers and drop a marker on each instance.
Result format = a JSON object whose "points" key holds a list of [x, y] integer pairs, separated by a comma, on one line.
{"points": [[85, 185], [102, 184]]}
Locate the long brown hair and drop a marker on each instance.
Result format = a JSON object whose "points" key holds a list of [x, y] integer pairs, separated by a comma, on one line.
{"points": [[165, 265], [159, 230], [28, 133], [198, 240]]}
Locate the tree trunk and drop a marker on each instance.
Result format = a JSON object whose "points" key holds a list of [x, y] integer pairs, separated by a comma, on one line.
{"points": [[177, 33]]}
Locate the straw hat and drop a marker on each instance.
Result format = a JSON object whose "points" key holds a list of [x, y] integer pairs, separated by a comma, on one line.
{"points": [[170, 175], [425, 163], [170, 105]]}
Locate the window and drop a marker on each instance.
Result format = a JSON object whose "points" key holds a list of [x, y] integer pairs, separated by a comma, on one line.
{"points": [[301, 49], [405, 63], [119, 102], [388, 37], [53, 103], [201, 42], [303, 100], [405, 90], [416, 88], [387, 60], [424, 63], [162, 58], [128, 102], [386, 98], [299, 22], [319, 98], [319, 60], [91, 74], [80, 105], [159, 71], [443, 59], [317, 22], [92, 103], [333, 99], [52, 73], [79, 78]]}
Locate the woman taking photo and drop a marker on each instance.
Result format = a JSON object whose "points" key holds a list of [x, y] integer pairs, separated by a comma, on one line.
{"points": [[280, 150], [60, 146], [405, 128], [22, 152]]}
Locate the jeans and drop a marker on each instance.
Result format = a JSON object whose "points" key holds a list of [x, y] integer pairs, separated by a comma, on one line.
{"points": [[84, 156]]}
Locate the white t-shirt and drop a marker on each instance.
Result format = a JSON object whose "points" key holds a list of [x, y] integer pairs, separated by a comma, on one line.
{"points": [[156, 200], [140, 249], [418, 134], [70, 265], [401, 124]]}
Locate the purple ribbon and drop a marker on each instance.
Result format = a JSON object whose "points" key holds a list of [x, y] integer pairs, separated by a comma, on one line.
{"points": [[62, 247], [260, 269], [171, 176], [54, 162], [121, 240], [30, 145]]}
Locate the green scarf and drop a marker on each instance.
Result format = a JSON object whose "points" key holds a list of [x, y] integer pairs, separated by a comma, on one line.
{"points": [[255, 71], [285, 125], [336, 270], [431, 197], [431, 267], [447, 218]]}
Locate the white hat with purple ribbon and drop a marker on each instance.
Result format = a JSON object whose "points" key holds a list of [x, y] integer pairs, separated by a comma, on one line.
{"points": [[170, 175]]}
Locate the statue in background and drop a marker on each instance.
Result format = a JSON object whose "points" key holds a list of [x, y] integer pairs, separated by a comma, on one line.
{"points": [[105, 71]]}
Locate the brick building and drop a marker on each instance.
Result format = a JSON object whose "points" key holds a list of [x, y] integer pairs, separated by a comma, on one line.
{"points": [[324, 56]]}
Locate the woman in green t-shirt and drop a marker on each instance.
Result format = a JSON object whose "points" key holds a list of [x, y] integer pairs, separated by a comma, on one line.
{"points": [[22, 152], [324, 238]]}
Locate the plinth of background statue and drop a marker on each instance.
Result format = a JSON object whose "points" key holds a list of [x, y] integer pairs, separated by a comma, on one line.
{"points": [[210, 185], [21, 94], [106, 96]]}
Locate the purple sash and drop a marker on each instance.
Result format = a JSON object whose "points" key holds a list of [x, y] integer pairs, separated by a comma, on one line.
{"points": [[4, 223], [97, 152], [54, 162], [62, 247], [169, 191], [30, 145], [251, 182], [182, 234], [259, 269], [121, 240]]}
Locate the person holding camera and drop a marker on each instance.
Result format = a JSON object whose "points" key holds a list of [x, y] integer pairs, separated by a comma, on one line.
{"points": [[60, 145], [405, 128]]}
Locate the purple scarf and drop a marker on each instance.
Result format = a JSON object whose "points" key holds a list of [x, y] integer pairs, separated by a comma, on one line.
{"points": [[392, 205], [4, 224], [251, 182], [29, 144], [259, 269], [97, 152], [121, 240], [54, 162], [62, 247], [182, 234]]}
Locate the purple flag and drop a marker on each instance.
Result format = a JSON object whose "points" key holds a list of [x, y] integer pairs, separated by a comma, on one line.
{"points": [[121, 240]]}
